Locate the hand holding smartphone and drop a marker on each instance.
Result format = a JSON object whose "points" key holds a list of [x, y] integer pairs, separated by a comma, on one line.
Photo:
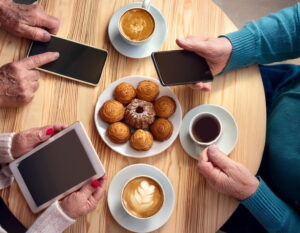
{"points": [[180, 67]]}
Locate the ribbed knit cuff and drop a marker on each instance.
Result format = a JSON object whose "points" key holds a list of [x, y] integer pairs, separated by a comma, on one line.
{"points": [[6, 177], [5, 147], [53, 220], [2, 230], [267, 208], [243, 49]]}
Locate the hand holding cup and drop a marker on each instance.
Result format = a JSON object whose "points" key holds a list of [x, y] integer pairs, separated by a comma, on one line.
{"points": [[225, 175]]}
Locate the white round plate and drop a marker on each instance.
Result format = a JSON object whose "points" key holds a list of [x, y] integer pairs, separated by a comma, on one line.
{"points": [[125, 149], [115, 204], [226, 142], [137, 51]]}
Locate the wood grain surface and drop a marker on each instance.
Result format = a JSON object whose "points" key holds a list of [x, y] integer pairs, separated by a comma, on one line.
{"points": [[198, 208]]}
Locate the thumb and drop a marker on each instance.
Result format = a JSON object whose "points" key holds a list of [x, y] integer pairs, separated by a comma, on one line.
{"points": [[42, 134], [87, 190], [192, 44], [218, 158], [35, 33]]}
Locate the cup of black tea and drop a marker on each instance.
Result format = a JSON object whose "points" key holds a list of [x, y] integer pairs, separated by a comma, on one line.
{"points": [[205, 129]]}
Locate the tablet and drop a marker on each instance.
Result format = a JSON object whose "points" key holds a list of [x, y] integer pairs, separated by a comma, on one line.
{"points": [[57, 167], [77, 61]]}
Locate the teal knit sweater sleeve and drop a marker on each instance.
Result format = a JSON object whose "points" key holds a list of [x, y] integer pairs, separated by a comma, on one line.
{"points": [[275, 37], [273, 214]]}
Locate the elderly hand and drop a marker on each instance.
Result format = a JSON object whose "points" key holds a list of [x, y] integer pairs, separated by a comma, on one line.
{"points": [[28, 21], [216, 51], [19, 80], [85, 200], [225, 175], [27, 140]]}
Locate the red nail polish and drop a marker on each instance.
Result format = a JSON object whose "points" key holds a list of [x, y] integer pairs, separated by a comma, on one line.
{"points": [[95, 183], [50, 131]]}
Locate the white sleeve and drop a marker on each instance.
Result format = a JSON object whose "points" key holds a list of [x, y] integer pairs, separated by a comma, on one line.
{"points": [[6, 177], [2, 230], [5, 147], [53, 220]]}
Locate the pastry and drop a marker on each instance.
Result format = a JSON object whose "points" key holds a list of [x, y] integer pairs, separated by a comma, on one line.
{"points": [[141, 140], [124, 93], [165, 106], [118, 132], [112, 111], [161, 129], [139, 114], [147, 90]]}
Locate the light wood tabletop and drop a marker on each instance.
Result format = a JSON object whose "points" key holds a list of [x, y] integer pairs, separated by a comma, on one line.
{"points": [[197, 207]]}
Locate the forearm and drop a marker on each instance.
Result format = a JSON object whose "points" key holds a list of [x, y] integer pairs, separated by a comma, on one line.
{"points": [[273, 38], [274, 214], [53, 220]]}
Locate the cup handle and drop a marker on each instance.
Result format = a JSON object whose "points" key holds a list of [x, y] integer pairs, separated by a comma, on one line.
{"points": [[146, 4]]}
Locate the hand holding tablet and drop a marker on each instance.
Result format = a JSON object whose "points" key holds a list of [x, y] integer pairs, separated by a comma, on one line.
{"points": [[81, 202], [26, 141], [58, 167]]}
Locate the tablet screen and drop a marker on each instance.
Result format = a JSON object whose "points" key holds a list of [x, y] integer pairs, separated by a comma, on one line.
{"points": [[56, 168], [76, 60]]}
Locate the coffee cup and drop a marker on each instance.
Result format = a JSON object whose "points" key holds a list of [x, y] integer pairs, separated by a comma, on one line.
{"points": [[142, 197], [205, 129], [137, 25]]}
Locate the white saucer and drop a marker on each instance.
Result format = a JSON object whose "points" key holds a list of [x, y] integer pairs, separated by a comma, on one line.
{"points": [[141, 51], [115, 204], [125, 149], [226, 142]]}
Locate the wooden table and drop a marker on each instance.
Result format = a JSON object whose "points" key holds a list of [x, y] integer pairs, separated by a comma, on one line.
{"points": [[198, 208]]}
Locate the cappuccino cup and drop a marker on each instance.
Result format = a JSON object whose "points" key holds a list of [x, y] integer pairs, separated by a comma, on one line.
{"points": [[205, 129], [137, 25], [142, 197]]}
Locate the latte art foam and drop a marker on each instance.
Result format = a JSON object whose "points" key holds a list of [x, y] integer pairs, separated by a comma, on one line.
{"points": [[137, 24], [142, 197]]}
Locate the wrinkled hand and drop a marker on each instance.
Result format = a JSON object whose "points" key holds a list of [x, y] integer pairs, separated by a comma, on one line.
{"points": [[19, 80], [85, 200], [25, 141], [28, 21], [225, 175], [216, 51]]}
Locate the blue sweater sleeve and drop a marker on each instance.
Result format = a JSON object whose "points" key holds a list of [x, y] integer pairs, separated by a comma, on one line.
{"points": [[275, 37], [274, 214]]}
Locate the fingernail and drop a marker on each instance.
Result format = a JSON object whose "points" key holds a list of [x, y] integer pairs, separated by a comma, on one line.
{"points": [[49, 131], [213, 150], [95, 183], [56, 54], [46, 36], [181, 39]]}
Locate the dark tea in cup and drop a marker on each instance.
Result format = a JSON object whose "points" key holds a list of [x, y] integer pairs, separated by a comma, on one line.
{"points": [[205, 128]]}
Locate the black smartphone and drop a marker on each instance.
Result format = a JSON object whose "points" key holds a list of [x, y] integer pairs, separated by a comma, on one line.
{"points": [[179, 67], [77, 61]]}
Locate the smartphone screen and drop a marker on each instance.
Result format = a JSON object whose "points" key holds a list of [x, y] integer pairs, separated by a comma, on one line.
{"points": [[76, 61], [180, 67]]}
